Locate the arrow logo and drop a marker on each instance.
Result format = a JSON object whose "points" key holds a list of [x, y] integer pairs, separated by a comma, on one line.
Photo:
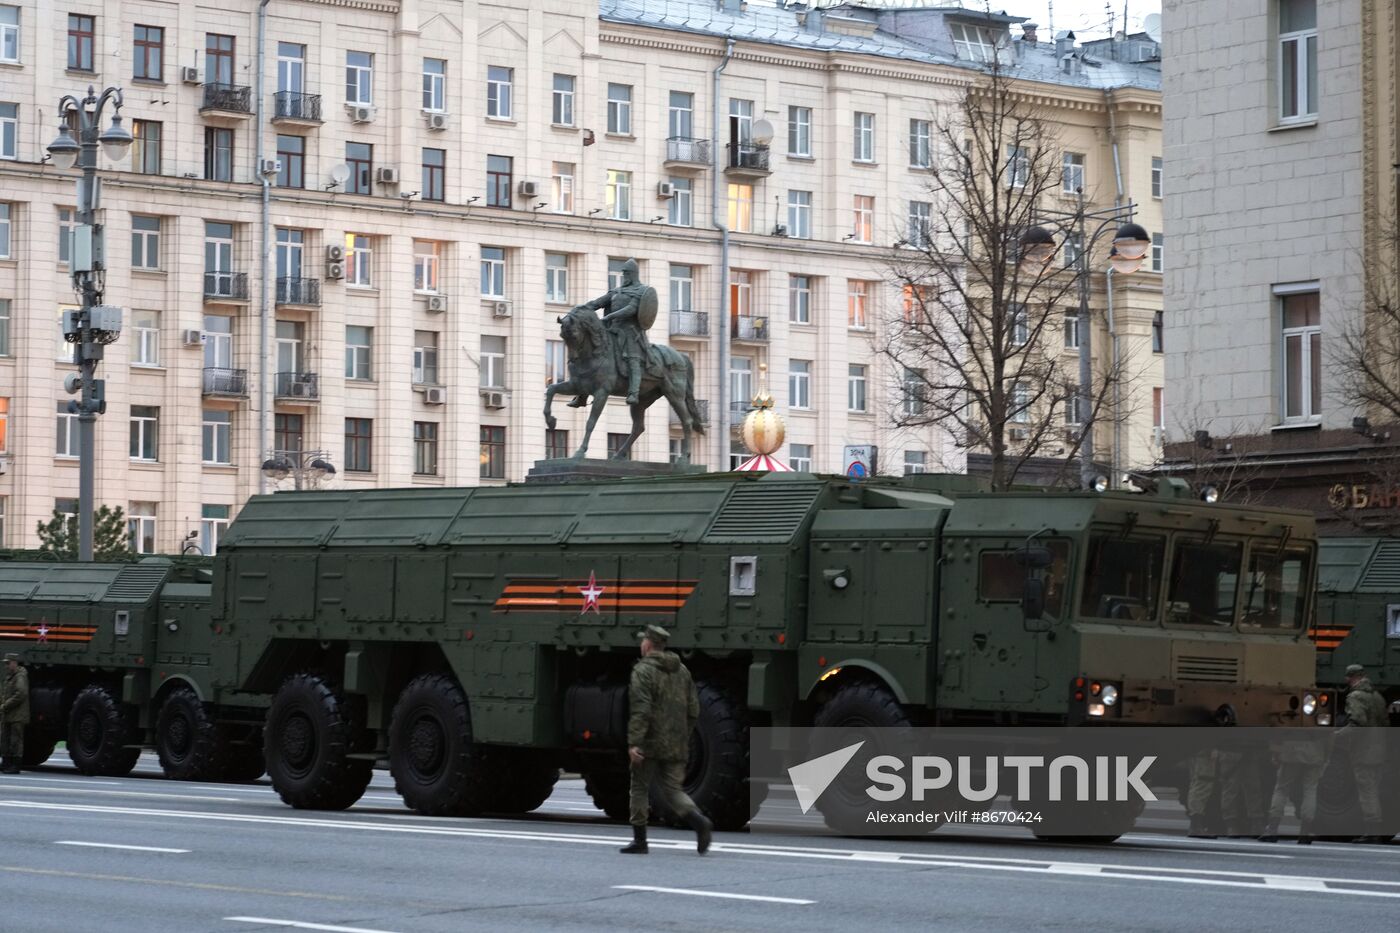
{"points": [[811, 778]]}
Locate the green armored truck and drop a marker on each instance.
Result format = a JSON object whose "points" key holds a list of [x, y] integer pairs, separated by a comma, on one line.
{"points": [[476, 640], [1358, 614]]}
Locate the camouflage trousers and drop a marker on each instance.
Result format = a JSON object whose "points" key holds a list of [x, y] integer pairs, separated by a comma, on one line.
{"points": [[1297, 782], [12, 740], [1232, 776], [668, 775], [1368, 792]]}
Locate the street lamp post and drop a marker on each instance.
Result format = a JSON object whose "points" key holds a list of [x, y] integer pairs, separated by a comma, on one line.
{"points": [[95, 325], [305, 467], [1130, 245]]}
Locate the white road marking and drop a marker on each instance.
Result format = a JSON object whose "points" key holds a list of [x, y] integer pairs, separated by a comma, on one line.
{"points": [[119, 793], [300, 925], [113, 845], [723, 894], [35, 776]]}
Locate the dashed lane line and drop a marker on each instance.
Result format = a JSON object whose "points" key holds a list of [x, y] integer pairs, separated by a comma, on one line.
{"points": [[169, 883], [691, 892], [302, 925], [117, 845]]}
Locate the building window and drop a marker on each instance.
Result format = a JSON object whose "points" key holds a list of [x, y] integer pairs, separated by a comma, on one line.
{"points": [[218, 154], [218, 258], [359, 78], [148, 53], [145, 432], [619, 195], [6, 229], [800, 457], [1071, 251], [9, 131], [493, 272], [1074, 405], [218, 59], [679, 213], [288, 432], [141, 527], [291, 244], [291, 152], [425, 358], [682, 280], [855, 387], [562, 113], [360, 158], [67, 445], [425, 448], [556, 444], [562, 187], [680, 116], [857, 304], [1071, 330], [217, 434], [740, 382], [799, 299], [620, 109], [359, 344], [9, 36], [434, 174], [218, 341], [4, 327], [498, 180], [920, 224], [1297, 59], [145, 242], [913, 392], [741, 208], [615, 272], [800, 384], [1157, 341], [741, 293], [556, 362], [973, 43], [1018, 167], [741, 120], [1158, 412], [4, 423], [498, 92], [615, 442], [493, 362], [359, 437], [427, 258], [1156, 253], [81, 30], [1157, 177], [920, 143], [1072, 173], [915, 461], [65, 232], [1302, 354], [799, 214], [145, 338], [493, 452], [359, 260], [863, 219], [213, 522], [145, 148], [291, 68], [1020, 324], [434, 85], [864, 137], [800, 132], [556, 278]]}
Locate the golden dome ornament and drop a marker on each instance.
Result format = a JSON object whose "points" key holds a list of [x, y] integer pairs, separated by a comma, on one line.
{"points": [[763, 431]]}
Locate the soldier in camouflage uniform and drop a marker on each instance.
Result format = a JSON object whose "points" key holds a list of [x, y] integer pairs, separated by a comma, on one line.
{"points": [[14, 714], [663, 710], [1365, 709], [1301, 761]]}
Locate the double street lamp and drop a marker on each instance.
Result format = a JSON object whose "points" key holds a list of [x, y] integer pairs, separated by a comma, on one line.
{"points": [[94, 325], [305, 467], [1130, 246]]}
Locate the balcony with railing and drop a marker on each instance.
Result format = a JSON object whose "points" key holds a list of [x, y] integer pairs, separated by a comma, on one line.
{"points": [[227, 100], [751, 329], [684, 152], [701, 403], [738, 408], [747, 160], [229, 383], [298, 386], [298, 290], [690, 324], [225, 286], [294, 108]]}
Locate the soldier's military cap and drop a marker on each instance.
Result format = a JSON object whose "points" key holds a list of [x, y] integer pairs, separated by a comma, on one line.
{"points": [[655, 633], [1355, 669], [11, 656]]}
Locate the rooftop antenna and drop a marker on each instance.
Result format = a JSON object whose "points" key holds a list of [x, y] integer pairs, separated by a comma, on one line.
{"points": [[1050, 8]]}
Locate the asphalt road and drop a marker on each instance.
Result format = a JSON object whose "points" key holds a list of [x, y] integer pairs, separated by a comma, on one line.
{"points": [[145, 854]]}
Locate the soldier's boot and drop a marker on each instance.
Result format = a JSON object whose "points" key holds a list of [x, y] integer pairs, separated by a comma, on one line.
{"points": [[1270, 834], [634, 380], [639, 842], [704, 829], [9, 766], [1305, 834], [1198, 829]]}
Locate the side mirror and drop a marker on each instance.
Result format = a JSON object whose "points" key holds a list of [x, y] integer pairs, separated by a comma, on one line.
{"points": [[1033, 604]]}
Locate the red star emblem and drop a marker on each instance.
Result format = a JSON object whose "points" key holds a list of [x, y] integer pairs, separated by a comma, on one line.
{"points": [[591, 592], [43, 631]]}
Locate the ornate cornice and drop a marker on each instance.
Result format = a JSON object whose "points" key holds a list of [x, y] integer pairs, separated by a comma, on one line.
{"points": [[375, 6]]}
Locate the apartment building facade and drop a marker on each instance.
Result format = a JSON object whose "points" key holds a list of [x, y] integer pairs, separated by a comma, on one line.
{"points": [[444, 181]]}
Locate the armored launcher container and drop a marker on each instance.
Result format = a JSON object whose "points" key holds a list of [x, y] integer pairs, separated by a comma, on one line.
{"points": [[1358, 614], [478, 639]]}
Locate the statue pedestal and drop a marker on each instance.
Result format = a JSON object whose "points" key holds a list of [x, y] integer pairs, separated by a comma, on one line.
{"points": [[582, 471]]}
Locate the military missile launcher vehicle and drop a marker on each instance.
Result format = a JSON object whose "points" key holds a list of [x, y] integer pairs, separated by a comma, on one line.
{"points": [[1358, 614], [476, 640]]}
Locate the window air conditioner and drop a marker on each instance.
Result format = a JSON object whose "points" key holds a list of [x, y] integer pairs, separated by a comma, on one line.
{"points": [[335, 270], [189, 75], [335, 253], [529, 189], [436, 121], [361, 114], [494, 398], [387, 176], [665, 189]]}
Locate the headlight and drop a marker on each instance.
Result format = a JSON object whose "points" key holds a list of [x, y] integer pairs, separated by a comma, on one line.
{"points": [[1324, 719], [1096, 709], [1109, 695], [1309, 704]]}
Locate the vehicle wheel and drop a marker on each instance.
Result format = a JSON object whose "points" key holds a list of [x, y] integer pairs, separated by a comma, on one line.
{"points": [[521, 779], [609, 790], [37, 750], [100, 729], [717, 774], [855, 708], [244, 761], [309, 735], [188, 742], [437, 768]]}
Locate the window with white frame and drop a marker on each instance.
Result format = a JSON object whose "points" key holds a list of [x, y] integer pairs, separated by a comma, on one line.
{"points": [[741, 119], [556, 362], [680, 212], [1071, 251], [6, 230], [1157, 176], [9, 131], [800, 457], [434, 85], [359, 351], [1301, 316], [864, 137], [493, 272], [359, 260], [1072, 330], [359, 78], [1074, 405], [1297, 60], [920, 224], [615, 266], [863, 218], [913, 393], [213, 522], [561, 194], [973, 43], [1156, 252], [500, 83], [740, 382], [145, 242], [920, 143], [680, 115], [216, 431], [800, 132], [618, 195], [857, 304], [915, 461], [855, 387], [145, 432], [145, 338], [1020, 324], [799, 214], [562, 110], [218, 341], [556, 278], [682, 288], [620, 109], [9, 34], [427, 261], [425, 357], [740, 208], [1019, 404], [799, 299], [800, 384], [141, 527], [1018, 167], [493, 362], [1072, 173], [741, 292], [67, 445]]}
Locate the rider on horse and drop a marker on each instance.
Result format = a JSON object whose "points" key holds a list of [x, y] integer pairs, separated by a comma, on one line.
{"points": [[624, 306]]}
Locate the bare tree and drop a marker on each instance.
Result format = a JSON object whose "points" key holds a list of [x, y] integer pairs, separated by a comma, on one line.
{"points": [[1232, 463], [978, 345]]}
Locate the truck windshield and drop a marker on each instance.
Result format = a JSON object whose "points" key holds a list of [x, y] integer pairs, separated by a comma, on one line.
{"points": [[1276, 589], [1205, 578], [1122, 578]]}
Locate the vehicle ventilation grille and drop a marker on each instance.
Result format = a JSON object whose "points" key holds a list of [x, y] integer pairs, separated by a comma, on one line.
{"points": [[1384, 571], [762, 512], [138, 583], [1207, 670]]}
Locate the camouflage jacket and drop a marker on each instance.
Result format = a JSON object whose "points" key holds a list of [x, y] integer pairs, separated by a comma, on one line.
{"points": [[14, 697], [1365, 707], [663, 707]]}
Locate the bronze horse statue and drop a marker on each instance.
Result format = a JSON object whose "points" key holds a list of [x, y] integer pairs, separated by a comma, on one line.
{"points": [[595, 371]]}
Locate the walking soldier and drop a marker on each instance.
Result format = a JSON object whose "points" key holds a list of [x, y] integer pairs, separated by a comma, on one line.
{"points": [[14, 714]]}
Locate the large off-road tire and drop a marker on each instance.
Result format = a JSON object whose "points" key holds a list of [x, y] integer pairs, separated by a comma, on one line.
{"points": [[100, 731], [521, 779], [857, 705], [37, 750], [188, 742], [609, 790], [437, 768], [717, 774], [309, 736]]}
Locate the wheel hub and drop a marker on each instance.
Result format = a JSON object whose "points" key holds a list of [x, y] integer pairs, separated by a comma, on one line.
{"points": [[89, 732], [426, 747], [298, 742], [178, 736]]}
